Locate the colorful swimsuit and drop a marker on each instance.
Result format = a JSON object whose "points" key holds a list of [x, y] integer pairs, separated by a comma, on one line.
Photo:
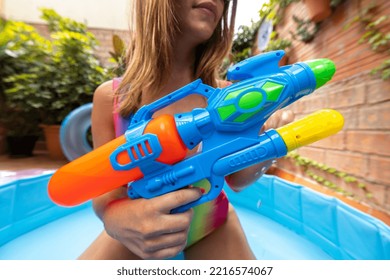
{"points": [[208, 216]]}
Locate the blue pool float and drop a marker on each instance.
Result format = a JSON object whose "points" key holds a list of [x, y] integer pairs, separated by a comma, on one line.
{"points": [[73, 132]]}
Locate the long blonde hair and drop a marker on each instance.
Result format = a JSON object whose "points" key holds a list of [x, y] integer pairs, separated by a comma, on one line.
{"points": [[149, 53]]}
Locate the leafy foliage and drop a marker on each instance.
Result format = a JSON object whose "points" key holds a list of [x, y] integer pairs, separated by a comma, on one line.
{"points": [[47, 78], [311, 166], [277, 43], [306, 30], [375, 35], [118, 56], [244, 40], [23, 53]]}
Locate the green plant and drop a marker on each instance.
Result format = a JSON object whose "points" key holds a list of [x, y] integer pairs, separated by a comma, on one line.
{"points": [[375, 35], [76, 71], [273, 10], [305, 29], [243, 42], [277, 43], [334, 3], [309, 166], [67, 76], [23, 53], [118, 56]]}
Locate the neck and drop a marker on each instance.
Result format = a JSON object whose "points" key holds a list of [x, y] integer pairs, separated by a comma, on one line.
{"points": [[182, 71]]}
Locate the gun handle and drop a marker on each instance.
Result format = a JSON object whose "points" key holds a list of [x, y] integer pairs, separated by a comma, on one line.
{"points": [[216, 186], [196, 87]]}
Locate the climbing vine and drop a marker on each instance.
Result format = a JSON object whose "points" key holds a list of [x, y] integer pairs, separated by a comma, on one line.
{"points": [[378, 40], [308, 165]]}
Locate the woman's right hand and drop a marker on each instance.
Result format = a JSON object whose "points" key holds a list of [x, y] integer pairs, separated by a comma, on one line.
{"points": [[146, 227]]}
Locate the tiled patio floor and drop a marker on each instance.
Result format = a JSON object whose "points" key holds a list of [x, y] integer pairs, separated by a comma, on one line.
{"points": [[15, 168]]}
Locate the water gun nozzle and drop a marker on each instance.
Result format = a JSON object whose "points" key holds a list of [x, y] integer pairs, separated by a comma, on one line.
{"points": [[323, 70]]}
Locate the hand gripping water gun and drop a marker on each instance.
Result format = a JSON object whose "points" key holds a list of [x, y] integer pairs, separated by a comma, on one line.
{"points": [[151, 155]]}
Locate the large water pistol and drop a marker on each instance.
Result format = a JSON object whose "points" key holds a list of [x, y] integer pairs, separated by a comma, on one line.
{"points": [[151, 156]]}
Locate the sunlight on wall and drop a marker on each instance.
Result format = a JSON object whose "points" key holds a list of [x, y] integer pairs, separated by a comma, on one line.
{"points": [[101, 13], [97, 14]]}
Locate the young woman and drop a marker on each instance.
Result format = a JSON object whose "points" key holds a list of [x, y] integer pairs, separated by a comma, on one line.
{"points": [[173, 43]]}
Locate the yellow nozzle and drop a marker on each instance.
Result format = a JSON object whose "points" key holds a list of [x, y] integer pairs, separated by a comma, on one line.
{"points": [[311, 128]]}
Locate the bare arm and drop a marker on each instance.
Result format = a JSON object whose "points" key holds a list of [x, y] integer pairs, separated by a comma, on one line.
{"points": [[144, 226], [103, 132]]}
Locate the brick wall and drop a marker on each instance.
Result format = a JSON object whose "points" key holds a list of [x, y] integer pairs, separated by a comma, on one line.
{"points": [[363, 147]]}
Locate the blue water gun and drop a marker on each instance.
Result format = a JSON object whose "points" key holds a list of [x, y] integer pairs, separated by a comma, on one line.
{"points": [[151, 155]]}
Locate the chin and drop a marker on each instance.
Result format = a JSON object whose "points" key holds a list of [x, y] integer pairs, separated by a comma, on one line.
{"points": [[202, 32]]}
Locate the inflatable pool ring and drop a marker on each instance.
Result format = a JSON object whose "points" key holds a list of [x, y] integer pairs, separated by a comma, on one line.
{"points": [[74, 132]]}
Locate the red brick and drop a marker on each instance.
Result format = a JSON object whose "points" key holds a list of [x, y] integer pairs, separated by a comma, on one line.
{"points": [[289, 165], [387, 198], [352, 163], [336, 142], [312, 153], [378, 91], [348, 97], [370, 142], [351, 119], [378, 192], [375, 117], [379, 169], [309, 104]]}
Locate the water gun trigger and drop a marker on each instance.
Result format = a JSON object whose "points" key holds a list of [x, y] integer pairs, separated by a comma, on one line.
{"points": [[215, 183], [196, 87]]}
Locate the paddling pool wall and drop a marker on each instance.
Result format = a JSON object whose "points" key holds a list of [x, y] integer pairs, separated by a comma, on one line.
{"points": [[319, 223]]}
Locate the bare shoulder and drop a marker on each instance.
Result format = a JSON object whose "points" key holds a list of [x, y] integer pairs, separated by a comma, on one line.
{"points": [[102, 120], [104, 93]]}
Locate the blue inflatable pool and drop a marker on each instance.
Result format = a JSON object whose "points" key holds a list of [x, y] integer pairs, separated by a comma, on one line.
{"points": [[281, 221]]}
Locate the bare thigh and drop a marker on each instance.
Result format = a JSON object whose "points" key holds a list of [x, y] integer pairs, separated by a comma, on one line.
{"points": [[228, 242], [106, 248]]}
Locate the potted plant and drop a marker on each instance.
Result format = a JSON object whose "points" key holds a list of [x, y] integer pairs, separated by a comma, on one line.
{"points": [[318, 10], [244, 41], [74, 71], [118, 56], [306, 30], [22, 53], [277, 43], [67, 79]]}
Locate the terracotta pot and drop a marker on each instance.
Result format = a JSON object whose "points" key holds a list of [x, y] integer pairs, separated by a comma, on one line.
{"points": [[53, 145], [21, 146], [2, 140], [283, 61], [318, 10]]}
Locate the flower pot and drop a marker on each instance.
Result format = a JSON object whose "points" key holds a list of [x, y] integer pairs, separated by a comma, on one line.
{"points": [[3, 140], [21, 146], [52, 138], [318, 10], [283, 61]]}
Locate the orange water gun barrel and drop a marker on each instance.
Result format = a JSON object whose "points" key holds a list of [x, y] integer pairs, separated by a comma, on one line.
{"points": [[92, 174]]}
